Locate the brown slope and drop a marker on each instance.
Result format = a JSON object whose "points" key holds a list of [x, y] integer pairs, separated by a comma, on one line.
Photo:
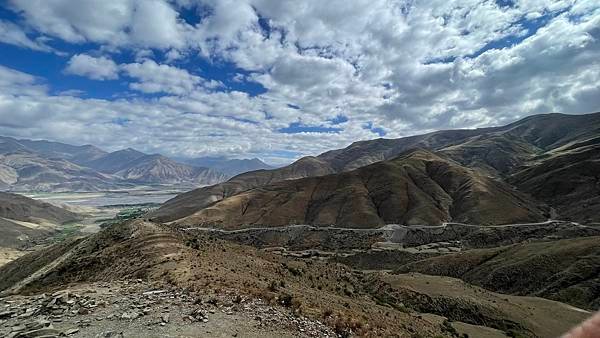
{"points": [[157, 253], [42, 218], [568, 179], [517, 142], [26, 209], [418, 187], [14, 235], [566, 270], [353, 302], [186, 204]]}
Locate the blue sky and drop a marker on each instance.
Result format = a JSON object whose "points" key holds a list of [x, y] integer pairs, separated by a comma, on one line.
{"points": [[279, 80]]}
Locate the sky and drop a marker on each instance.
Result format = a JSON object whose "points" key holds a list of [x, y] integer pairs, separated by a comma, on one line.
{"points": [[279, 79]]}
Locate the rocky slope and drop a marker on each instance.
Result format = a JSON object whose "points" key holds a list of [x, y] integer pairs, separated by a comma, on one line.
{"points": [[418, 187], [204, 274], [155, 252]]}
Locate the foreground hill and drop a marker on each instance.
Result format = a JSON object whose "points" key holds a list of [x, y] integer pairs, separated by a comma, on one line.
{"points": [[497, 152], [205, 275], [23, 219], [418, 187]]}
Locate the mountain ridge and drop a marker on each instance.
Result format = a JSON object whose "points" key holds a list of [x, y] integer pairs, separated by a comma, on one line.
{"points": [[416, 188], [41, 165], [498, 152]]}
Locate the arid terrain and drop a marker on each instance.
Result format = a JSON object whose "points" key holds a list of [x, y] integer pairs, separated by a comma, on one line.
{"points": [[473, 233]]}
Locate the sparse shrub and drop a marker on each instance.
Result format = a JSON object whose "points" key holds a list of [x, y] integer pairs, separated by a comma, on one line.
{"points": [[272, 286], [285, 299], [294, 271], [447, 327]]}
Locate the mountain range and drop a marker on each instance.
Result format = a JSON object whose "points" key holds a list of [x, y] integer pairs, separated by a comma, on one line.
{"points": [[230, 167], [545, 164], [27, 165]]}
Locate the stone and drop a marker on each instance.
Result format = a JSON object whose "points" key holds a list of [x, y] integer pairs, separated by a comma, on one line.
{"points": [[6, 314], [130, 315], [46, 332], [28, 313], [18, 328], [71, 331], [110, 334], [165, 317]]}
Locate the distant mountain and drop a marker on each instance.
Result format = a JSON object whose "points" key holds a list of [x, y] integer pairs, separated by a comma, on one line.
{"points": [[498, 152], [113, 162], [230, 167], [160, 169], [31, 172], [27, 165], [76, 154], [418, 187]]}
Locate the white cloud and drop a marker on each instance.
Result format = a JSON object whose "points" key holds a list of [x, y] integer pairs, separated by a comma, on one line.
{"points": [[155, 78], [14, 35], [13, 82], [155, 24], [117, 23], [97, 68], [404, 66]]}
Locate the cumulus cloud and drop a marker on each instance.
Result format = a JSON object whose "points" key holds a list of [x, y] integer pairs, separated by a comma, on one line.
{"points": [[154, 78], [12, 34], [97, 68], [402, 67], [118, 23]]}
